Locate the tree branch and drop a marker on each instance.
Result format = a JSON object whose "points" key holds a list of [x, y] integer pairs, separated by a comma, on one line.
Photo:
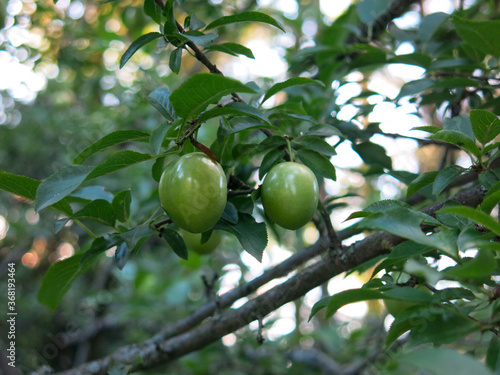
{"points": [[153, 352]]}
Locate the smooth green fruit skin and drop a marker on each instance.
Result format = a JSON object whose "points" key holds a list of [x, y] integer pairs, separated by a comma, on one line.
{"points": [[193, 192], [290, 195], [193, 242]]}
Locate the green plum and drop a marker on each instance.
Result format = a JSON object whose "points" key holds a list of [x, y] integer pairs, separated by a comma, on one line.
{"points": [[193, 192], [290, 195], [193, 242]]}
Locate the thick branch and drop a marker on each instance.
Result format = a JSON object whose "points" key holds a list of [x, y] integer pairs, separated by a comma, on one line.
{"points": [[395, 10], [153, 352]]}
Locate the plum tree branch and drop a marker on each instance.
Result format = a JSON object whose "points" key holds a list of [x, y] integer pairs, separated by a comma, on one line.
{"points": [[155, 351]]}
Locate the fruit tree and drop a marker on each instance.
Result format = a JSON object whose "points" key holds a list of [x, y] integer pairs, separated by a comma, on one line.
{"points": [[241, 186]]}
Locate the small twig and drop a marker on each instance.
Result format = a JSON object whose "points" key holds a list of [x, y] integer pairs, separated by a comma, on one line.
{"points": [[209, 286], [465, 75], [203, 148], [335, 243], [162, 223], [260, 336], [234, 193]]}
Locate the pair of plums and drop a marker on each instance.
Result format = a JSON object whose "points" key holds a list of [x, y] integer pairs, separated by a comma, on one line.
{"points": [[193, 192]]}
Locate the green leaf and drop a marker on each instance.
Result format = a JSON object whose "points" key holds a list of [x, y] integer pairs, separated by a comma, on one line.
{"points": [[99, 210], [198, 37], [245, 17], [111, 139], [443, 361], [318, 163], [272, 158], [138, 43], [450, 294], [239, 124], [490, 201], [26, 187], [98, 246], [58, 279], [159, 98], [121, 255], [202, 89], [234, 109], [137, 236], [430, 24], [157, 168], [251, 235], [486, 125], [230, 214], [60, 184], [407, 250], [121, 205], [493, 354], [350, 296], [475, 215], [405, 222], [482, 35], [195, 23], [170, 24], [19, 185], [118, 161], [429, 129], [153, 10], [315, 144], [458, 139], [175, 242], [175, 60], [418, 59], [415, 87], [232, 49], [320, 305], [420, 182], [460, 123], [481, 266], [373, 154], [157, 136], [289, 83], [445, 177]]}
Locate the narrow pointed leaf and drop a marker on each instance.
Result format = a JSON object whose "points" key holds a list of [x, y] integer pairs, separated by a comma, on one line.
{"points": [[118, 161], [57, 280], [458, 139], [175, 60], [477, 216], [245, 17], [289, 83], [121, 255], [486, 125], [445, 177], [232, 49], [121, 205], [443, 361], [202, 89], [318, 163], [99, 210], [138, 43], [234, 109], [60, 184], [251, 235], [159, 98], [111, 139], [176, 242], [26, 187]]}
